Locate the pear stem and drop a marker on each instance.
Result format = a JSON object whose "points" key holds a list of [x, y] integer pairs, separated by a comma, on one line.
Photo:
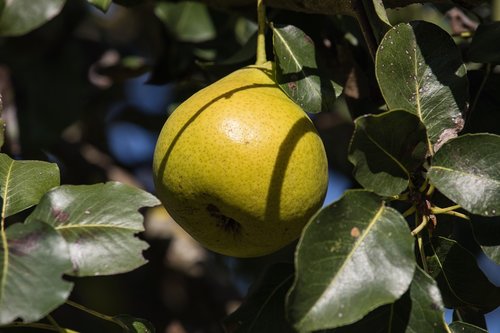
{"points": [[261, 39]]}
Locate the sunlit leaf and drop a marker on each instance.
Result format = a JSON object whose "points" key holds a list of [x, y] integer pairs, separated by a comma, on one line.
{"points": [[188, 21], [385, 149], [354, 255], [467, 170], [21, 16], [419, 310], [419, 69], [99, 223], [461, 281], [300, 72], [33, 258], [23, 183], [264, 308]]}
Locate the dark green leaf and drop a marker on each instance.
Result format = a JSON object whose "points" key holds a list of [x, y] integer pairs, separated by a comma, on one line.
{"points": [[385, 149], [23, 183], [134, 325], [264, 308], [101, 4], [354, 255], [33, 258], [98, 222], [484, 46], [487, 234], [467, 170], [461, 327], [419, 69], [300, 72], [377, 16], [188, 21], [419, 310], [21, 16], [461, 281]]}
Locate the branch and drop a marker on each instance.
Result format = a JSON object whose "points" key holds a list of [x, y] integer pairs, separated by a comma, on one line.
{"points": [[327, 7]]}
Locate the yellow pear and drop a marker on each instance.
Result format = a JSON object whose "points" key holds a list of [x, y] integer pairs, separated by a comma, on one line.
{"points": [[240, 166]]}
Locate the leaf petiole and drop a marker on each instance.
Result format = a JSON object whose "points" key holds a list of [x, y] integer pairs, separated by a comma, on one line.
{"points": [[261, 39], [41, 326], [95, 313], [449, 211]]}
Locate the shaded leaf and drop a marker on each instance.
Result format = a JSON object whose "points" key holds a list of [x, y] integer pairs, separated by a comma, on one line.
{"points": [[461, 281], [300, 72], [484, 46], [385, 149], [101, 4], [419, 69], [467, 170], [487, 234], [419, 310], [134, 325], [98, 222], [461, 327], [377, 16], [23, 183], [354, 255], [264, 308], [33, 258], [188, 21], [21, 16]]}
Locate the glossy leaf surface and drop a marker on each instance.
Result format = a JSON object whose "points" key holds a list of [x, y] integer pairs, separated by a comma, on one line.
{"points": [[300, 72], [467, 170], [101, 4], [21, 16], [420, 309], [33, 258], [134, 325], [23, 183], [419, 69], [99, 223], [385, 149], [354, 255]]}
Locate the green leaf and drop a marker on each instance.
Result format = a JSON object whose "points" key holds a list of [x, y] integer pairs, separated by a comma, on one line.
{"points": [[419, 310], [134, 325], [461, 281], [467, 170], [21, 16], [101, 4], [487, 234], [377, 17], [484, 46], [461, 327], [23, 183], [300, 72], [354, 255], [419, 69], [33, 258], [264, 308], [188, 21], [98, 222], [385, 149]]}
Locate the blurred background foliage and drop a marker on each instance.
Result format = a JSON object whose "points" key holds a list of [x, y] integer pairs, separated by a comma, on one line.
{"points": [[91, 90]]}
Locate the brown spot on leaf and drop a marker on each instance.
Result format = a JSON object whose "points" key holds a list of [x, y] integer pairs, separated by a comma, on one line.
{"points": [[24, 245], [355, 232], [60, 215], [292, 85]]}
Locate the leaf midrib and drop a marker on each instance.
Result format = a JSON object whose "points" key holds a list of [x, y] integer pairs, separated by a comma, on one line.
{"points": [[464, 173], [3, 233], [357, 244]]}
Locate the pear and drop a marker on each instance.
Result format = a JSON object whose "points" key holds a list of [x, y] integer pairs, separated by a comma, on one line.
{"points": [[240, 166]]}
